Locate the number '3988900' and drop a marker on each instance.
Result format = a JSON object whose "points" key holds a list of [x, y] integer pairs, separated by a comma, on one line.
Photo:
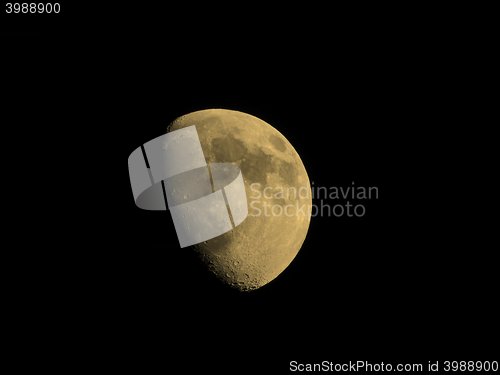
{"points": [[32, 8]]}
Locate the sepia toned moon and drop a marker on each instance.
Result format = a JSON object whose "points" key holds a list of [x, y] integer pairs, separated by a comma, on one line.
{"points": [[277, 187]]}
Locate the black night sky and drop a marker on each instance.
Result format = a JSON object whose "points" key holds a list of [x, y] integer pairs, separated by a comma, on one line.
{"points": [[374, 103]]}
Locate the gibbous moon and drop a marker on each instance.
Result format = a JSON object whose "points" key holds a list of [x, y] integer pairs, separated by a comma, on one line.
{"points": [[278, 195]]}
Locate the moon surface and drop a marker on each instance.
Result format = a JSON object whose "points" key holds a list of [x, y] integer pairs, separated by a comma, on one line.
{"points": [[278, 196]]}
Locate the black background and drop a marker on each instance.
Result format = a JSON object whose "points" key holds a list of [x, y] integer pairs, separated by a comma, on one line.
{"points": [[390, 102]]}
